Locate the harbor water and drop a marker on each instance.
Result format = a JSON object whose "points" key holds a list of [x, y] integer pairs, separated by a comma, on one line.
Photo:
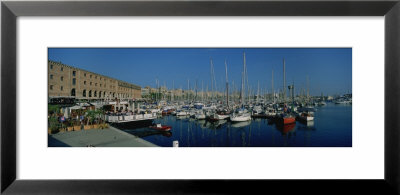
{"points": [[332, 127]]}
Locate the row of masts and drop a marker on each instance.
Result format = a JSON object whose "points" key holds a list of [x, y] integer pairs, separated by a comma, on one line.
{"points": [[243, 96]]}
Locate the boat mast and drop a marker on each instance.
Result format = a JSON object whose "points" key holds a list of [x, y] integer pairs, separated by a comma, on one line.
{"points": [[284, 81], [213, 82], [172, 91], [308, 89], [211, 75], [226, 80], [202, 91], [247, 83], [233, 91], [258, 91], [164, 93], [243, 80], [188, 89], [272, 83], [207, 92], [196, 91], [159, 90]]}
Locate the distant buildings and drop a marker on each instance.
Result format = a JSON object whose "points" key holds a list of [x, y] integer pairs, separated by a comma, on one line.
{"points": [[145, 91], [71, 82], [162, 93]]}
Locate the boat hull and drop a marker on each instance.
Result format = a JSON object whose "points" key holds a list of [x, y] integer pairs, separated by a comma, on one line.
{"points": [[133, 124], [286, 120], [240, 119], [306, 118], [162, 128], [259, 116]]}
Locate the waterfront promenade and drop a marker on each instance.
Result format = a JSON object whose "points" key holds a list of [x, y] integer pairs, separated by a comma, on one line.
{"points": [[110, 137]]}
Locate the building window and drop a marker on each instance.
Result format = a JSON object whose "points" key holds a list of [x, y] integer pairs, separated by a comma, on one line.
{"points": [[62, 69], [90, 83], [84, 74], [90, 93], [51, 76], [73, 92], [51, 66], [95, 93], [90, 76], [84, 93], [62, 78], [61, 88], [73, 81], [51, 87], [74, 73], [84, 82], [100, 94]]}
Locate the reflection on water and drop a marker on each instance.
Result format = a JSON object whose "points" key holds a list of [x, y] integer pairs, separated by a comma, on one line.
{"points": [[332, 127], [286, 128], [240, 124]]}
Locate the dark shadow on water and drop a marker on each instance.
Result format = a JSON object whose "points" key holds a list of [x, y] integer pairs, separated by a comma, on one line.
{"points": [[216, 124], [52, 142], [144, 132]]}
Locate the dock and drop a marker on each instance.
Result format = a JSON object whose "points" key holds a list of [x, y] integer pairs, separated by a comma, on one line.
{"points": [[110, 137]]}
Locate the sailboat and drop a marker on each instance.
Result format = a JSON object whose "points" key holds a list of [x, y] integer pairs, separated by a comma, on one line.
{"points": [[222, 114], [199, 115], [241, 114], [285, 118]]}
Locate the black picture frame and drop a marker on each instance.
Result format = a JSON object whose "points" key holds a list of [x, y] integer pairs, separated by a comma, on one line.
{"points": [[10, 10]]}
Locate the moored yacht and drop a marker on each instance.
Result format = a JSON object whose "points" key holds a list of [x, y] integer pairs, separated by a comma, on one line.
{"points": [[240, 115], [305, 116]]}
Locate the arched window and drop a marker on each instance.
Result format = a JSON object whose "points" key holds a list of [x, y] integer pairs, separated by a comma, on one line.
{"points": [[84, 93], [113, 94], [95, 93], [104, 94], [90, 93], [100, 94], [73, 92]]}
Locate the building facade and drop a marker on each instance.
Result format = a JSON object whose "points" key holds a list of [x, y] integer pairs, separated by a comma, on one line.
{"points": [[68, 81]]}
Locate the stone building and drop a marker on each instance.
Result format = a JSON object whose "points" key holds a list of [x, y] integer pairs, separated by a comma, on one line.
{"points": [[68, 81]]}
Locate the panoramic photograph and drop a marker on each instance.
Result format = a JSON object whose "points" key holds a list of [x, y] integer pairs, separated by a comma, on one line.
{"points": [[199, 97]]}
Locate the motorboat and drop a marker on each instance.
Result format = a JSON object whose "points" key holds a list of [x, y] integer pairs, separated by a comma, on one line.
{"points": [[305, 116], [161, 127]]}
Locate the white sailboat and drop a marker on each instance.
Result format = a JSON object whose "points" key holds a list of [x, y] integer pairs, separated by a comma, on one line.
{"points": [[242, 114], [200, 115]]}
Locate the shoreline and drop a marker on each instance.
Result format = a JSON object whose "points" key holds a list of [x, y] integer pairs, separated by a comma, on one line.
{"points": [[109, 137]]}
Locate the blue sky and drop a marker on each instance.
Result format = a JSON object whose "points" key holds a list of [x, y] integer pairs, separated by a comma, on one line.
{"points": [[329, 69]]}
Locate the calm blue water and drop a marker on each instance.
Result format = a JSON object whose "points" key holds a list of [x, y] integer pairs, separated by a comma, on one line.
{"points": [[332, 127]]}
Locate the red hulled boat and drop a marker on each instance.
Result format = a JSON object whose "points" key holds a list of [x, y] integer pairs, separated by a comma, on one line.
{"points": [[161, 127], [285, 119]]}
